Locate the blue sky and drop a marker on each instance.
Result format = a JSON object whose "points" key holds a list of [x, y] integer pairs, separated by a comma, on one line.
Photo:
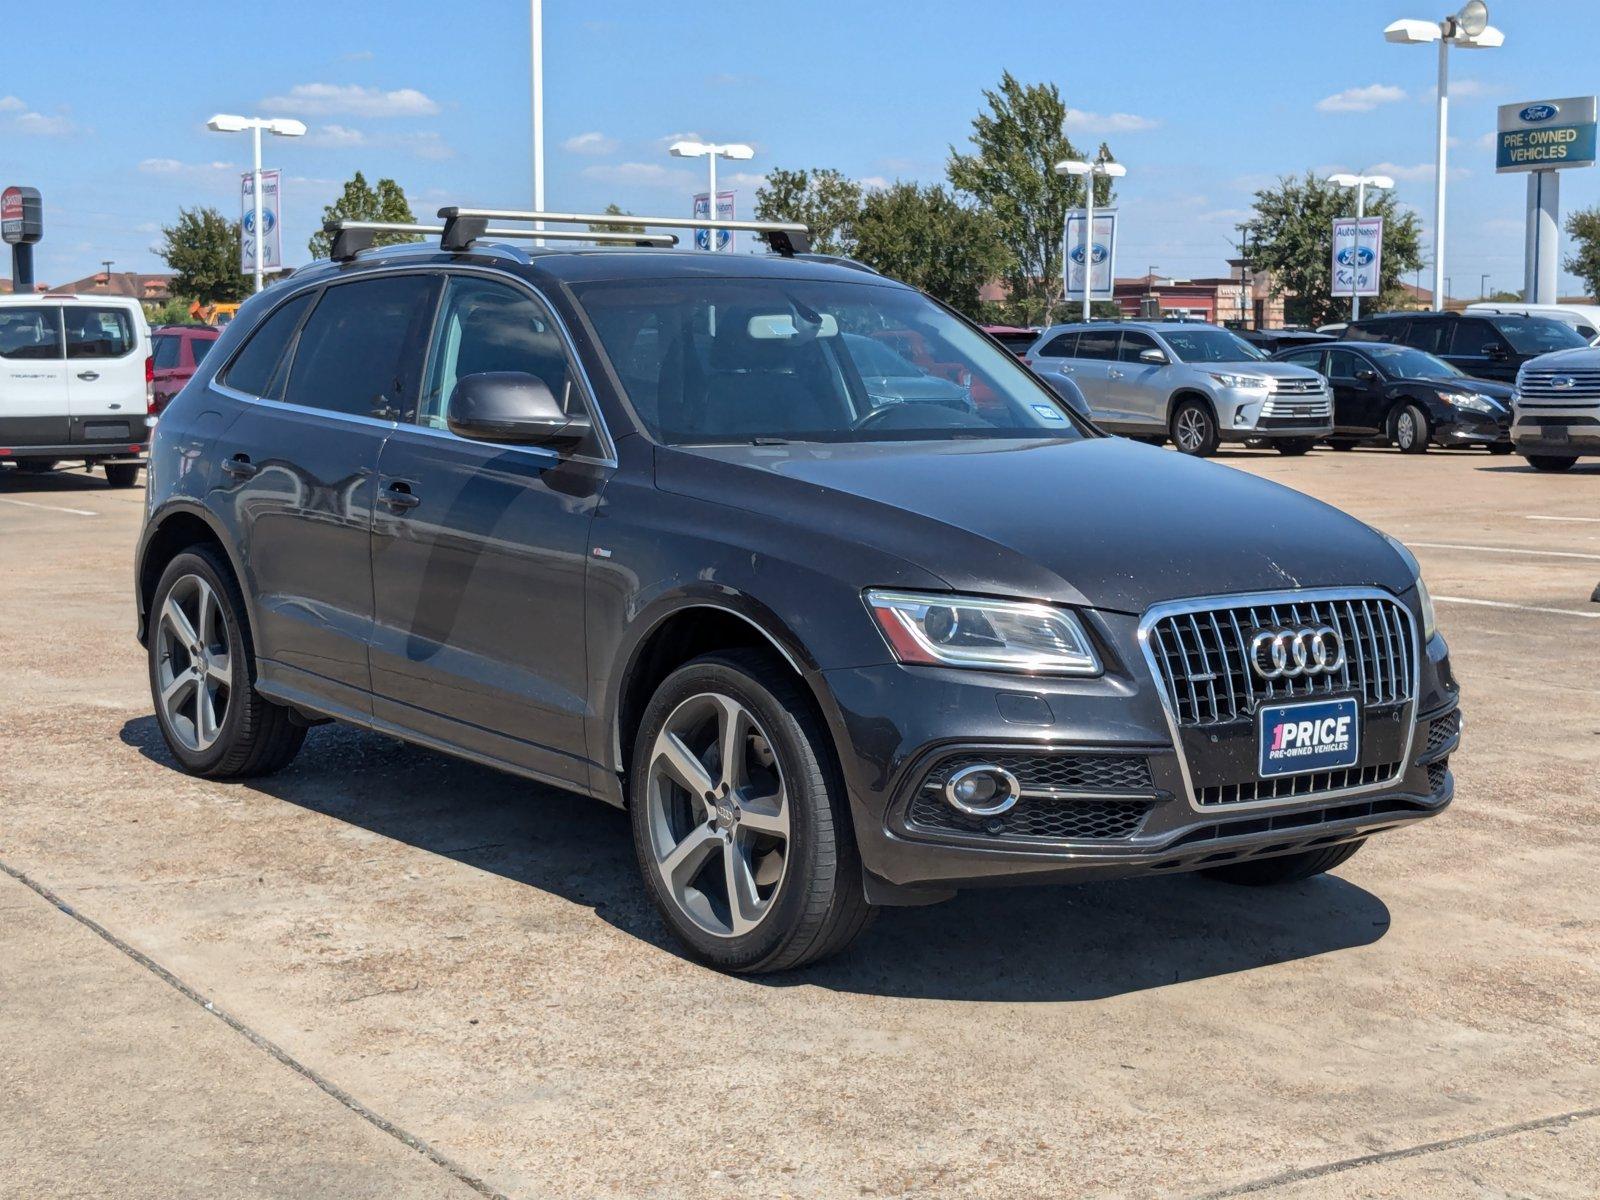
{"points": [[1204, 102]]}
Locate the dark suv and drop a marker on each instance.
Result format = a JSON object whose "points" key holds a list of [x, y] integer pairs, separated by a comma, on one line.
{"points": [[632, 523], [1488, 345]]}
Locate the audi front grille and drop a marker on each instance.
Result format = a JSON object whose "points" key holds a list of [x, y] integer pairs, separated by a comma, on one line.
{"points": [[1201, 655]]}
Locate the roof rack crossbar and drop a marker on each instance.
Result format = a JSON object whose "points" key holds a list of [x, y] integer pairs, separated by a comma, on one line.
{"points": [[788, 238], [351, 237]]}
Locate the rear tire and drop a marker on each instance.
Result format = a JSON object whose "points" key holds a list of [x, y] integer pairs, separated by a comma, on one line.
{"points": [[1294, 447], [1411, 430], [1286, 868], [122, 475], [1500, 448], [1194, 429], [202, 659], [1552, 462], [1341, 444], [773, 828]]}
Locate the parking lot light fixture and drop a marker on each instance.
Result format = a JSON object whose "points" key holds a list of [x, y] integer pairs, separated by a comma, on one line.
{"points": [[1361, 183], [1469, 29], [278, 127], [711, 151], [1088, 170]]}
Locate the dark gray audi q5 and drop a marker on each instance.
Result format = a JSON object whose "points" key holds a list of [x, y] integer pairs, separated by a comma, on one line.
{"points": [[633, 522]]}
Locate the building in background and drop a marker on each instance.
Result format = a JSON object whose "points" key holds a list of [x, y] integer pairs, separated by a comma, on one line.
{"points": [[1240, 299], [149, 289]]}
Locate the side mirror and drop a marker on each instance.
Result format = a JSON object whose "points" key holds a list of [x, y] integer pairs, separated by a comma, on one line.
{"points": [[1494, 350], [1367, 375], [514, 407], [1155, 357]]}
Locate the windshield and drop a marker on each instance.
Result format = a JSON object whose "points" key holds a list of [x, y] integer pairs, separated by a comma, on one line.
{"points": [[1402, 362], [1202, 344], [1538, 335], [774, 360]]}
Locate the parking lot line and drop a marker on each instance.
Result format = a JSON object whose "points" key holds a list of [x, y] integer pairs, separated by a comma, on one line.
{"points": [[1542, 517], [1504, 550], [1565, 612], [80, 512]]}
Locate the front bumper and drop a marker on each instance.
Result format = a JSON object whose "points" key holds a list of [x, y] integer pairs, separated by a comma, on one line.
{"points": [[901, 723], [1474, 429], [1537, 433], [1242, 414]]}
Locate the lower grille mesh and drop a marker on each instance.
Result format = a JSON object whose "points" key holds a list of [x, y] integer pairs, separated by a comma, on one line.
{"points": [[1034, 817], [1286, 787]]}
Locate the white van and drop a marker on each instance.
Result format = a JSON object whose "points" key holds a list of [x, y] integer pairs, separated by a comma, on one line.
{"points": [[1585, 318], [75, 383]]}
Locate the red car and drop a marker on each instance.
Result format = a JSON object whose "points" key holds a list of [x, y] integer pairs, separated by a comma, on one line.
{"points": [[179, 349], [1013, 338]]}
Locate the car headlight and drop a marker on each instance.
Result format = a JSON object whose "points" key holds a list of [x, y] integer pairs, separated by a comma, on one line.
{"points": [[1238, 381], [969, 631], [1472, 401], [1430, 623]]}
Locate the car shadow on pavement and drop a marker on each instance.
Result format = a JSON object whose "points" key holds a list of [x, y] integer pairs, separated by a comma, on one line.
{"points": [[1584, 466], [1082, 942], [64, 481]]}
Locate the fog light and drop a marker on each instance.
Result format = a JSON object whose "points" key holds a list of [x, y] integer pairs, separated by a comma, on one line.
{"points": [[981, 791]]}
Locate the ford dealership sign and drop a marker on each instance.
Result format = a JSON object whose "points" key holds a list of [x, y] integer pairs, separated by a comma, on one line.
{"points": [[1546, 135], [1535, 113]]}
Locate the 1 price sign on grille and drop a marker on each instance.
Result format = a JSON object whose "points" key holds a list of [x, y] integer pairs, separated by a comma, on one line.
{"points": [[1323, 735]]}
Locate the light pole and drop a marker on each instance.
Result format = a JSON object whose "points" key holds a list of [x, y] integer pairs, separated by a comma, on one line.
{"points": [[1483, 286], [711, 151], [1361, 183], [536, 18], [1089, 172], [1469, 29], [279, 127]]}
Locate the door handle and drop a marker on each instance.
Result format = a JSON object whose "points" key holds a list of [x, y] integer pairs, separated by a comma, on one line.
{"points": [[1113, 373], [398, 496], [91, 375], [239, 466]]}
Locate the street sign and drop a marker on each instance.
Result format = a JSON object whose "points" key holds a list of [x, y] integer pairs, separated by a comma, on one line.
{"points": [[1546, 135], [272, 243], [21, 216], [1357, 263], [702, 208], [1103, 252]]}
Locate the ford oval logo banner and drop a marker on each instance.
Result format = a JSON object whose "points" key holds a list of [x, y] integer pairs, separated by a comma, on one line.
{"points": [[1538, 112], [1356, 257]]}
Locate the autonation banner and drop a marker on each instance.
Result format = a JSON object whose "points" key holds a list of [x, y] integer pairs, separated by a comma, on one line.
{"points": [[1357, 256], [272, 243], [1102, 252]]}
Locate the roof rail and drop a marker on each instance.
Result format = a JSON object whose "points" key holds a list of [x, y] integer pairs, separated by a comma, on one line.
{"points": [[462, 225], [351, 237]]}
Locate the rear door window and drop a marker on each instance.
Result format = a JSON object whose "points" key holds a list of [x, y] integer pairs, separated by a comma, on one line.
{"points": [[1134, 344], [1473, 339], [1097, 344], [200, 347], [30, 331], [1063, 345], [167, 350], [98, 332], [259, 368], [361, 349], [1432, 335]]}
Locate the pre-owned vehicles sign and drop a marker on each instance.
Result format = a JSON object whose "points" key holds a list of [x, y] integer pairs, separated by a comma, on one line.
{"points": [[1546, 134]]}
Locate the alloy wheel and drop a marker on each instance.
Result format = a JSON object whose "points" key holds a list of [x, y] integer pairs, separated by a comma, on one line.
{"points": [[1405, 430], [1191, 430], [194, 670], [718, 814]]}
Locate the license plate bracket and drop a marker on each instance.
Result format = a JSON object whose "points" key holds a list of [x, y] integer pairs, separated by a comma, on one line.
{"points": [[1308, 736]]}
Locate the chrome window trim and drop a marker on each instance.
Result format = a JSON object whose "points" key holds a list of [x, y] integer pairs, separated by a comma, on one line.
{"points": [[607, 459], [1195, 604]]}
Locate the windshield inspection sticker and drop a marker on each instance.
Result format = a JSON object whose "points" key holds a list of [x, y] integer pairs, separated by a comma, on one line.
{"points": [[1323, 735], [1048, 413]]}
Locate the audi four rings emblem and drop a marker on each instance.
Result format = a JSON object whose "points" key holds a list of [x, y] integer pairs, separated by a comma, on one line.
{"points": [[1292, 653]]}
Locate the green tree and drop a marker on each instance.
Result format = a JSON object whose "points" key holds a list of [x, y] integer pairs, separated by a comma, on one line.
{"points": [[1583, 227], [172, 311], [929, 239], [202, 248], [361, 202], [1011, 174], [823, 199], [613, 210], [1291, 235]]}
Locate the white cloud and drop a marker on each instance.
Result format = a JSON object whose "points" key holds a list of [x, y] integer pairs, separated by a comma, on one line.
{"points": [[329, 99], [1087, 122], [638, 174], [428, 145], [335, 137], [1361, 99], [1486, 142], [38, 125], [357, 56], [745, 179], [590, 143], [11, 104], [874, 183], [1466, 89], [175, 169], [1421, 172]]}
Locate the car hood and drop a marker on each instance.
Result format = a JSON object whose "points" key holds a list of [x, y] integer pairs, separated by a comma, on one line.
{"points": [[1102, 522]]}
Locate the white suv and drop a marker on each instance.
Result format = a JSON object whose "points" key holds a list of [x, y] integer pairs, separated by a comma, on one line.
{"points": [[1555, 411], [75, 383], [1198, 384]]}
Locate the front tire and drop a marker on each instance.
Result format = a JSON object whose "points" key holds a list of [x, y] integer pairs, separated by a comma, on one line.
{"points": [[739, 818], [1411, 430], [1499, 448], [1194, 429], [1552, 462], [122, 475], [202, 675], [1286, 868]]}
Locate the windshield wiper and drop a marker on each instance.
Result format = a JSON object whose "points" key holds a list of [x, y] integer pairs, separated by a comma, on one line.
{"points": [[769, 441]]}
